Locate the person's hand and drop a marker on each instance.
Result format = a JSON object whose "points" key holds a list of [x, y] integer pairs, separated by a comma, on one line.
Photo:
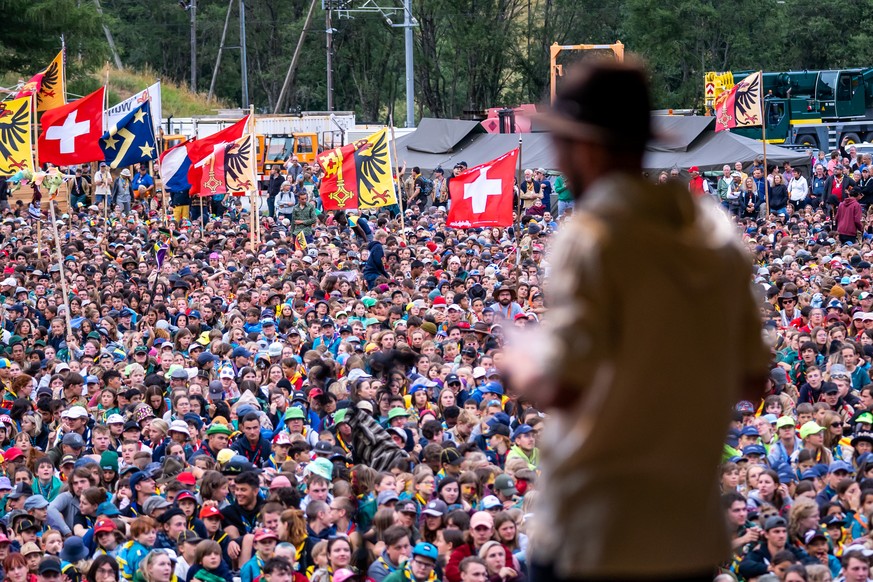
{"points": [[233, 550], [507, 572], [752, 535]]}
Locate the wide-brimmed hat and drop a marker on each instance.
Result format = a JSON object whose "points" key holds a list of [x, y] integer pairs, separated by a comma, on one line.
{"points": [[605, 102], [498, 290], [481, 327], [786, 295]]}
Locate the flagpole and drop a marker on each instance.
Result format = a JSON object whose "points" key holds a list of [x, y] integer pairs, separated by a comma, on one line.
{"points": [[766, 168], [61, 265], [256, 222], [35, 126], [518, 211], [399, 184]]}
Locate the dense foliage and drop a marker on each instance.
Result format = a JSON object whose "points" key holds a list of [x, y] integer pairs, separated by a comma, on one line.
{"points": [[470, 54]]}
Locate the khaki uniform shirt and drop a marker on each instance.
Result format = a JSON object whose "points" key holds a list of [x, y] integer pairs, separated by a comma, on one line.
{"points": [[653, 322]]}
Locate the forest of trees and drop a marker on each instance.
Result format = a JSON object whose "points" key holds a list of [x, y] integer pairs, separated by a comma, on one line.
{"points": [[469, 54]]}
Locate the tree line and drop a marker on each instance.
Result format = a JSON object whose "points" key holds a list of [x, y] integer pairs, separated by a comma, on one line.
{"points": [[469, 54]]}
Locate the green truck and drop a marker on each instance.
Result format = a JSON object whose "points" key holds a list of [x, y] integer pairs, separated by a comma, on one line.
{"points": [[814, 109]]}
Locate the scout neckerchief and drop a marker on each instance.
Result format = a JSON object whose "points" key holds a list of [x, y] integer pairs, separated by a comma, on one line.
{"points": [[219, 536], [342, 443], [407, 573]]}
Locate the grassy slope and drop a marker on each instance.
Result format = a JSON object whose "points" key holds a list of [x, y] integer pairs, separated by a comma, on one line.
{"points": [[176, 100]]}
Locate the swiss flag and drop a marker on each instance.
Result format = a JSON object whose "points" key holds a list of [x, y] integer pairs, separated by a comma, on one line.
{"points": [[71, 134], [482, 196]]}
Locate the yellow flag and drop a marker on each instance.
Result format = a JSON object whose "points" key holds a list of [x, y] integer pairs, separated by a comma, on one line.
{"points": [[16, 146], [53, 90], [373, 169]]}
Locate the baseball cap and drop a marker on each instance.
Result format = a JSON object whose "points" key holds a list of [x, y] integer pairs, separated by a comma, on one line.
{"points": [[386, 497], [188, 536], [810, 428], [406, 507], [491, 502], [265, 534], [839, 466], [784, 421], [813, 534], [104, 525], [774, 522], [35, 502], [210, 511], [396, 413], [49, 565], [425, 550], [451, 456], [522, 429], [436, 507], [481, 518], [73, 439], [504, 484]]}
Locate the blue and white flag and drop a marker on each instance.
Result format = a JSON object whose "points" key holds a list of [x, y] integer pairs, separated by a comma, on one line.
{"points": [[131, 139]]}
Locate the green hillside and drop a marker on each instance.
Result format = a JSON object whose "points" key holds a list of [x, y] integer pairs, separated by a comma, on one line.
{"points": [[176, 100]]}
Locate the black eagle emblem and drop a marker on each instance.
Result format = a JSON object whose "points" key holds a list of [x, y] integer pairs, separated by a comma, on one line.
{"points": [[371, 165], [236, 164], [746, 100], [13, 134], [50, 82]]}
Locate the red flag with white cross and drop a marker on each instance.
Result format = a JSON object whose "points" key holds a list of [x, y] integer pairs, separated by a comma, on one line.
{"points": [[482, 196], [71, 133]]}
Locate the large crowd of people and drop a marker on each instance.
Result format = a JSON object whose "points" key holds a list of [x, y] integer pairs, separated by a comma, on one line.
{"points": [[327, 403], [322, 404]]}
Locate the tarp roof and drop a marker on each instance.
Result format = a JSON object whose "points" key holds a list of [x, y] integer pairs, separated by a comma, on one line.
{"points": [[682, 142], [692, 141], [536, 151], [439, 136], [677, 133]]}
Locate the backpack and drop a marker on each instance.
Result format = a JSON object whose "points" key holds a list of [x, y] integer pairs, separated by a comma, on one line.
{"points": [[426, 186]]}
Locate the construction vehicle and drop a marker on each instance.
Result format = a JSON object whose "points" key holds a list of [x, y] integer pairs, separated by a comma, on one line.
{"points": [[814, 109]]}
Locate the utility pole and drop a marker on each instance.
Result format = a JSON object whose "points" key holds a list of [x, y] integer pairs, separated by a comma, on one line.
{"points": [[242, 59], [408, 23], [329, 36], [109, 40], [220, 50], [192, 13], [293, 67]]}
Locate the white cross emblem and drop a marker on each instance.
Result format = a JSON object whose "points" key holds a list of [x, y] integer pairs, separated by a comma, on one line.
{"points": [[480, 189], [68, 132]]}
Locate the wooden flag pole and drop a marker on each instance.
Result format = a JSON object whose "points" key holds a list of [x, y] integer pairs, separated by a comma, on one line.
{"points": [[518, 211], [764, 147], [399, 183], [256, 199], [61, 265]]}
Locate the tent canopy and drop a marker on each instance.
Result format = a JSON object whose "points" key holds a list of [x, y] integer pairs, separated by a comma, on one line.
{"points": [[479, 148], [440, 136], [682, 142], [692, 141]]}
